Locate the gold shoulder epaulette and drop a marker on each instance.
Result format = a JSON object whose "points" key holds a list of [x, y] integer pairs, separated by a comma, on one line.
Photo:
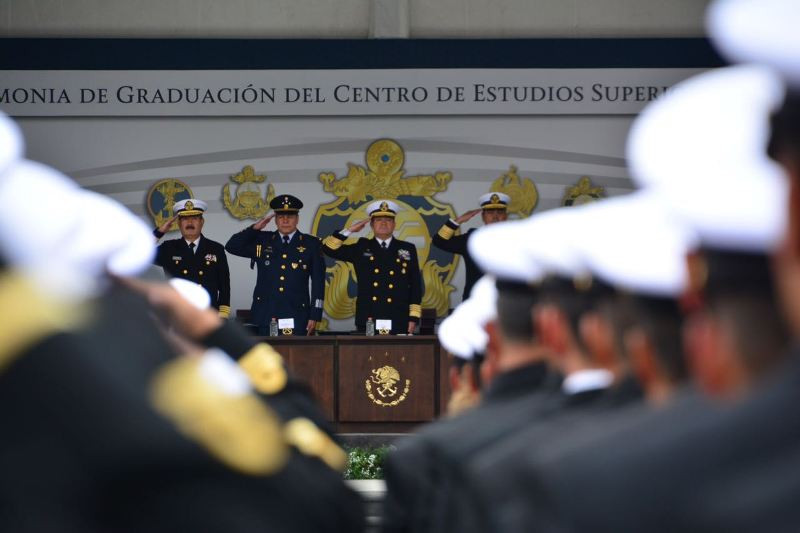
{"points": [[332, 242], [304, 435], [30, 317], [265, 368], [239, 430], [446, 232]]}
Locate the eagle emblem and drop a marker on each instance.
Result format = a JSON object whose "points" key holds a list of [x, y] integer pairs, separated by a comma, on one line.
{"points": [[386, 379]]}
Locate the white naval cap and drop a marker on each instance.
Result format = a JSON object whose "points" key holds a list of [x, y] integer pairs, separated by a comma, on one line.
{"points": [[189, 207], [11, 143], [494, 200], [450, 335], [526, 251], [758, 31], [702, 149], [192, 292], [631, 243], [70, 254], [462, 333], [383, 208]]}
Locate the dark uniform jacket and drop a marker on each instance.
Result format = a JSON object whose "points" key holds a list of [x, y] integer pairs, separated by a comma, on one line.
{"points": [[208, 266], [389, 282], [418, 480], [89, 446], [283, 273], [693, 466], [457, 244], [494, 492]]}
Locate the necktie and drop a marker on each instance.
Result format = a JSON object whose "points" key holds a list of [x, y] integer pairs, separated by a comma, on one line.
{"points": [[285, 239], [383, 245], [191, 246]]}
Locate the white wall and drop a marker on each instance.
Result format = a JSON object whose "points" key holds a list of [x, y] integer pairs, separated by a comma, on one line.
{"points": [[350, 18]]}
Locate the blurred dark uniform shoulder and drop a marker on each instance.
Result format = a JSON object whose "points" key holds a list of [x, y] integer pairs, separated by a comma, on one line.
{"points": [[105, 430], [284, 270], [692, 467], [419, 478], [495, 484]]}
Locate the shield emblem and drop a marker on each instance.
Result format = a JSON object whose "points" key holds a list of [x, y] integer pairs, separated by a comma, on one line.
{"points": [[421, 216], [162, 196]]}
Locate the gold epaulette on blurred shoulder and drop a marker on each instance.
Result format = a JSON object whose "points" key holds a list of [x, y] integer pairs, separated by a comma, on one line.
{"points": [[304, 435], [30, 317], [238, 429], [265, 368]]}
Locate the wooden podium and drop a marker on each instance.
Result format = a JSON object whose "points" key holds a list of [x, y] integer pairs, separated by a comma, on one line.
{"points": [[371, 384]]}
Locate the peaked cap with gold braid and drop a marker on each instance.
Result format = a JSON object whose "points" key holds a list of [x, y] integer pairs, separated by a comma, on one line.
{"points": [[495, 200], [189, 207], [286, 203], [383, 208]]}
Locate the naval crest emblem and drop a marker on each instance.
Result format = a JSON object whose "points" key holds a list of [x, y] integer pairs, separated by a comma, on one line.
{"points": [[583, 192], [522, 192], [247, 202], [162, 196], [420, 216]]}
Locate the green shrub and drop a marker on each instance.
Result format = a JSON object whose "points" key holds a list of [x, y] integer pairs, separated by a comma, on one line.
{"points": [[365, 463]]}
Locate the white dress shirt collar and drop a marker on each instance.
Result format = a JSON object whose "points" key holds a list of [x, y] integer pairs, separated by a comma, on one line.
{"points": [[587, 380], [290, 235]]}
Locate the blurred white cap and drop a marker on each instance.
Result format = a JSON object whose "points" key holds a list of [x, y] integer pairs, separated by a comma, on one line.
{"points": [[192, 292], [702, 149], [758, 31], [67, 238], [462, 333], [527, 250], [630, 242]]}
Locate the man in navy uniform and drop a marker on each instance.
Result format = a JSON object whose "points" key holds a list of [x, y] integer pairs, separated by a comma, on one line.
{"points": [[195, 257], [387, 269], [286, 260], [493, 209]]}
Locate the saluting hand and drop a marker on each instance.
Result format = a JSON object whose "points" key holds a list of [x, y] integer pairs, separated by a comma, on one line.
{"points": [[358, 226], [174, 309], [164, 228], [261, 224], [466, 216]]}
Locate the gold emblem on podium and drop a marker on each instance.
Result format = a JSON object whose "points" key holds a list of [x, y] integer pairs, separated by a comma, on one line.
{"points": [[247, 202], [386, 381], [582, 193], [522, 192]]}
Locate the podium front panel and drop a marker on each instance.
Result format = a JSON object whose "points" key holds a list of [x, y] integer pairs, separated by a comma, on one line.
{"points": [[391, 381]]}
